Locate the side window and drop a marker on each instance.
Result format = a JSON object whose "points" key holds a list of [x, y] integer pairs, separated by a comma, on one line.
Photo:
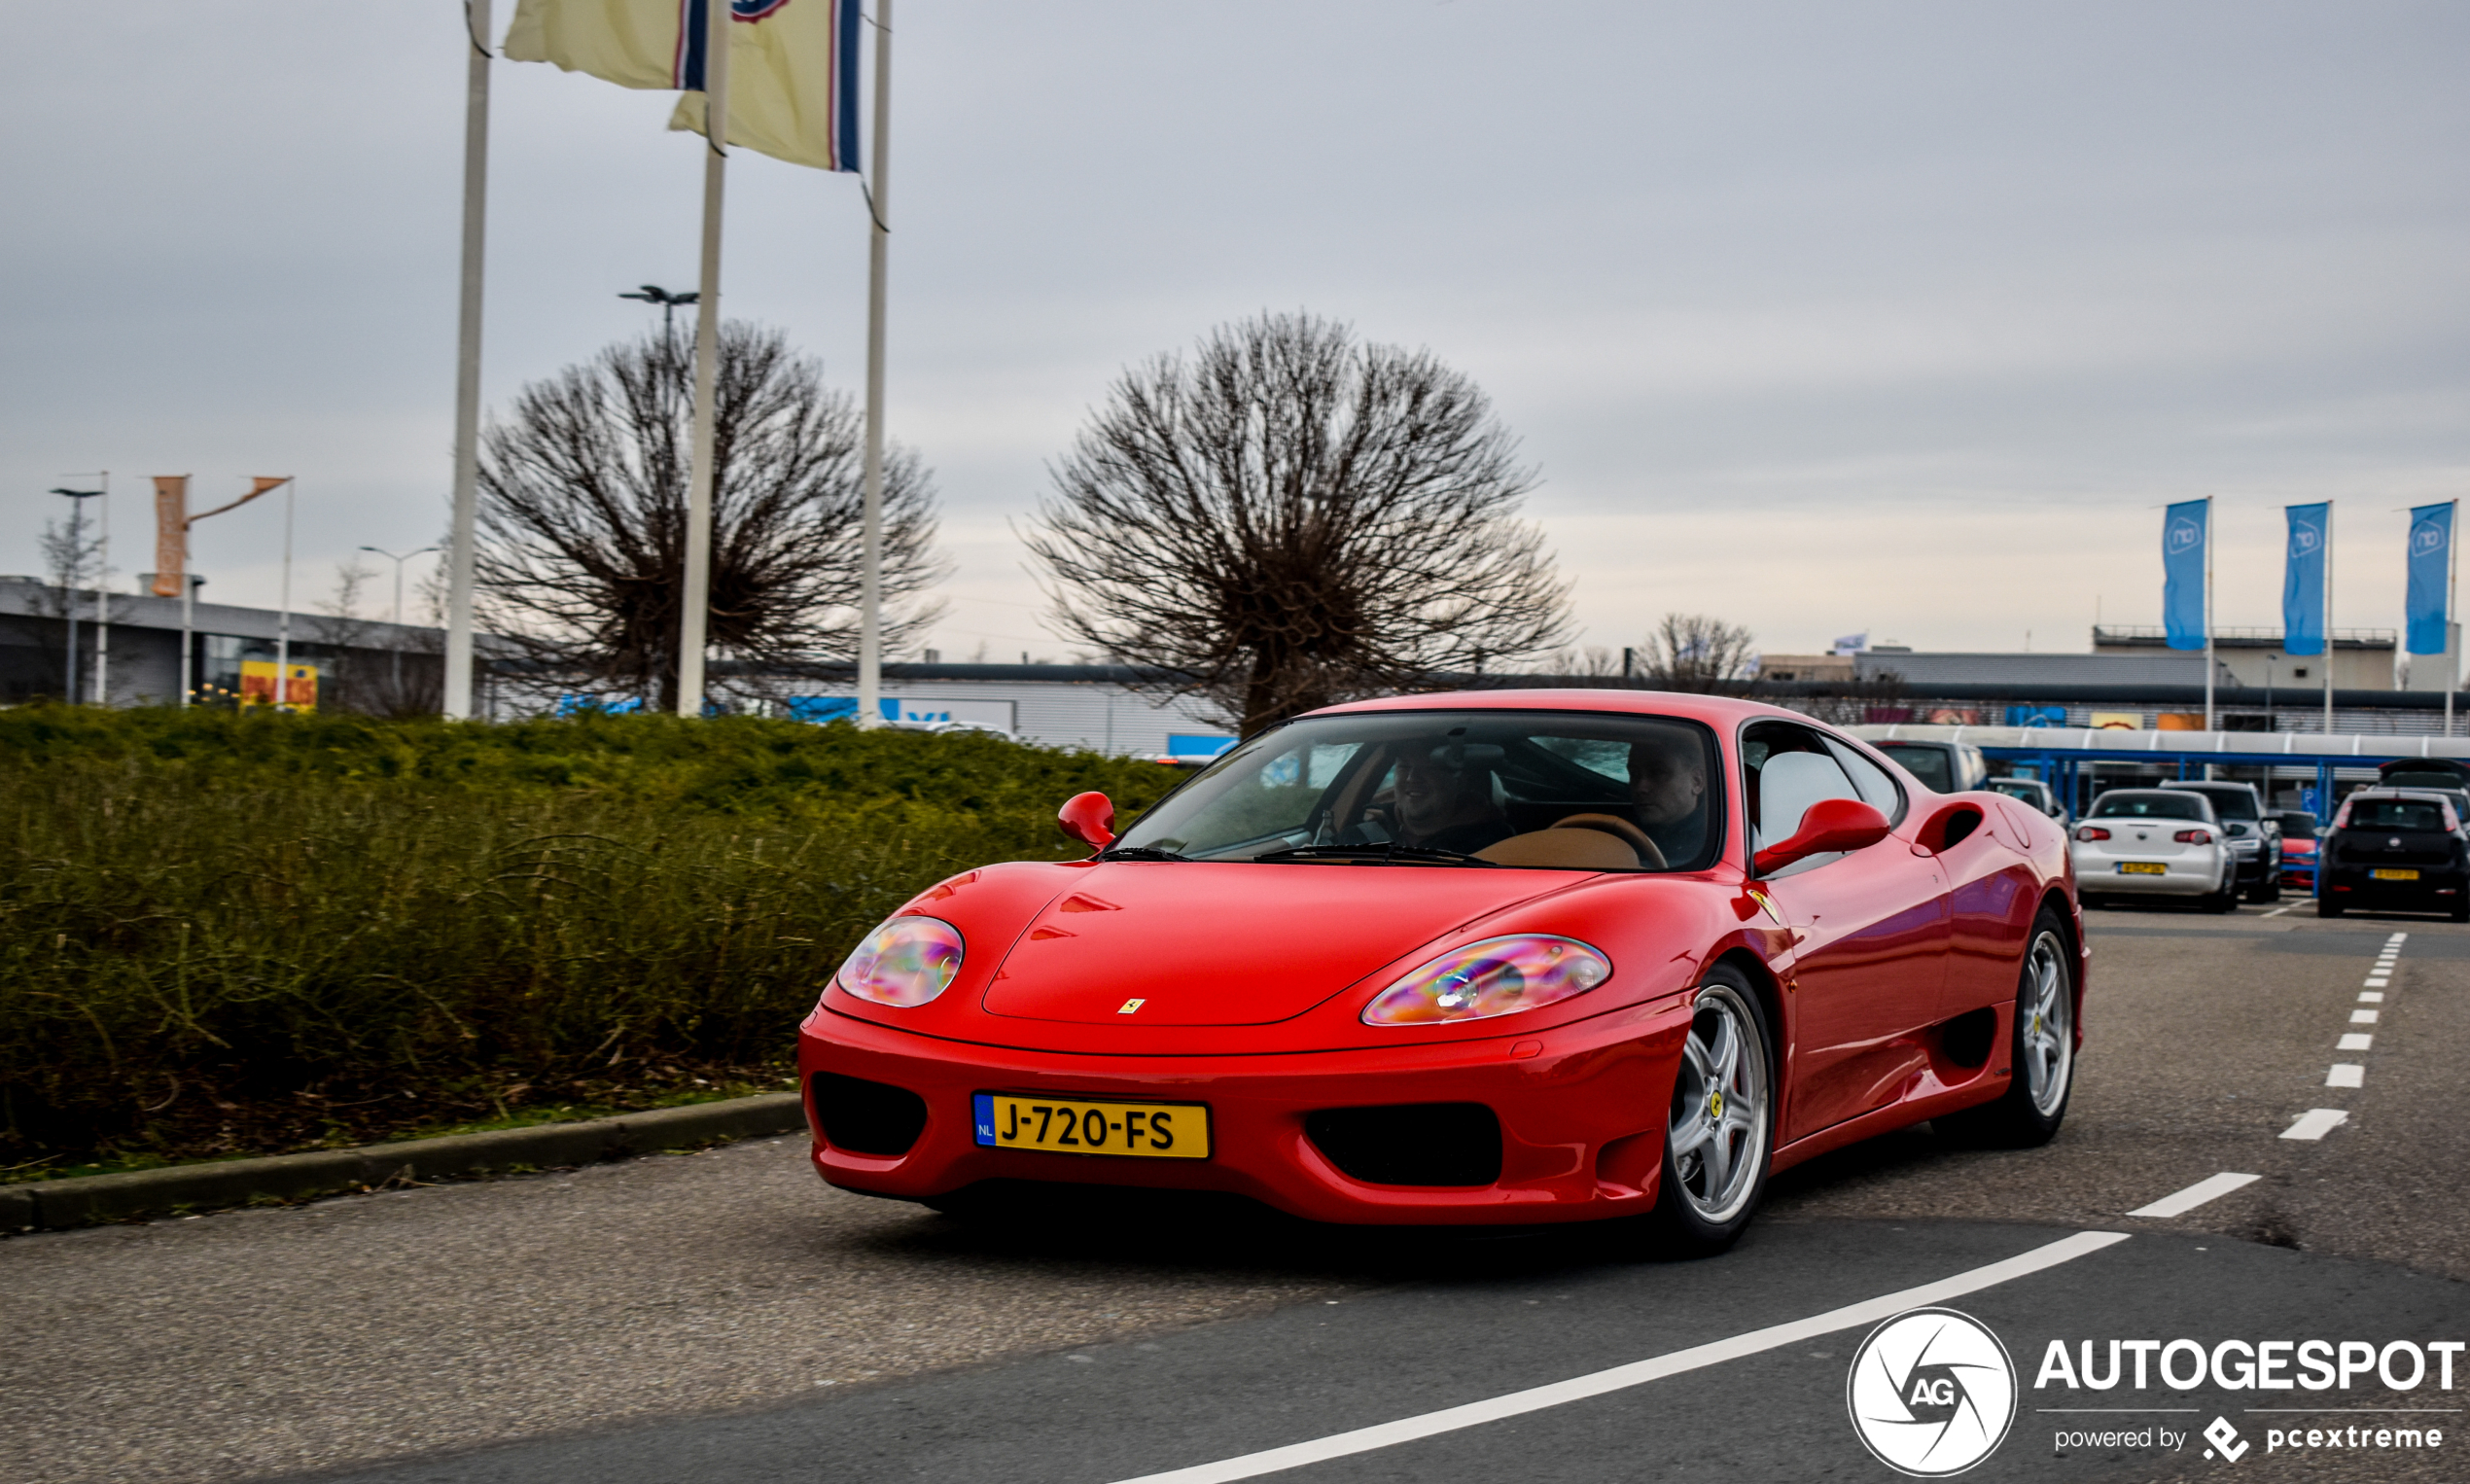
{"points": [[1876, 788], [1786, 769]]}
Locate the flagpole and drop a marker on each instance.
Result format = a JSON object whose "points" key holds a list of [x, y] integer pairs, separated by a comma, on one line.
{"points": [[103, 605], [283, 623], [2453, 580], [878, 242], [187, 620], [467, 372], [2328, 618], [696, 601], [2210, 619]]}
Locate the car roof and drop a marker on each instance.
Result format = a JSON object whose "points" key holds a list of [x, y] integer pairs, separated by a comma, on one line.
{"points": [[1721, 712], [2192, 785]]}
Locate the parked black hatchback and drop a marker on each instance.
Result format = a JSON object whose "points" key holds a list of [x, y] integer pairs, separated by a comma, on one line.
{"points": [[2394, 850]]}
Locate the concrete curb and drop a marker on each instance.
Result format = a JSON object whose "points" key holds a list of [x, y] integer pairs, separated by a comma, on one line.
{"points": [[57, 1205]]}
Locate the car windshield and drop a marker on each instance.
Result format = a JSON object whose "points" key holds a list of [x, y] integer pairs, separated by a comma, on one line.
{"points": [[1927, 763], [1555, 790], [2296, 822], [2153, 805], [2395, 814], [2021, 787], [2230, 803]]}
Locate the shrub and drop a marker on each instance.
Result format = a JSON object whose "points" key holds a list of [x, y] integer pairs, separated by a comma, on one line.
{"points": [[228, 932]]}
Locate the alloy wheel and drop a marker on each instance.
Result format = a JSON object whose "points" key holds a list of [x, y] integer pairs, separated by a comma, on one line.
{"points": [[2047, 1035], [1718, 1128]]}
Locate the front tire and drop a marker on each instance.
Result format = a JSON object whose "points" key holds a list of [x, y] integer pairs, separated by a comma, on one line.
{"points": [[2041, 1051], [2327, 906], [1719, 1130]]}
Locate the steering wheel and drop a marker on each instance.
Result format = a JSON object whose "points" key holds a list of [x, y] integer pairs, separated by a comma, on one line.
{"points": [[1613, 825]]}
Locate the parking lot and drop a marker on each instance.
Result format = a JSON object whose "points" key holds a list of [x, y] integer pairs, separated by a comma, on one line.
{"points": [[725, 1317]]}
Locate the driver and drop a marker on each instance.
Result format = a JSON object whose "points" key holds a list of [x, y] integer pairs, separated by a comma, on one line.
{"points": [[1667, 786], [1444, 800]]}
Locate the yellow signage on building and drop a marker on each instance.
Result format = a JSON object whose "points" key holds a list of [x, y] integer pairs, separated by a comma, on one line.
{"points": [[256, 685]]}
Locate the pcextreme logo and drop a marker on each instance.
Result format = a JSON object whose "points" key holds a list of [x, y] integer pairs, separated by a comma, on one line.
{"points": [[1932, 1393]]}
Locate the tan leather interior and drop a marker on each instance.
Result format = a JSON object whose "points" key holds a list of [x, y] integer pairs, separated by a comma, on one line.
{"points": [[1648, 853], [1579, 849]]}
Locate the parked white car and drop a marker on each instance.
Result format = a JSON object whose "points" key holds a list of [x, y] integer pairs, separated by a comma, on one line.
{"points": [[2155, 843]]}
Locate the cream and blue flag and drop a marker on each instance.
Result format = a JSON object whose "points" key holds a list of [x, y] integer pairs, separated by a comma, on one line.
{"points": [[792, 64]]}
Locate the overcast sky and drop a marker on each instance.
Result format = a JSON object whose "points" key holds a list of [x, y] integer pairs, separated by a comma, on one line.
{"points": [[1821, 318]]}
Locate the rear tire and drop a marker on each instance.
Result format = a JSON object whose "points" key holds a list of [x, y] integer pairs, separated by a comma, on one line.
{"points": [[2041, 1051], [2327, 906], [2461, 911], [2227, 899], [2266, 890], [1719, 1129]]}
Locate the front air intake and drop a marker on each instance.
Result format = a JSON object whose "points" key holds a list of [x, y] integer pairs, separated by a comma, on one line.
{"points": [[866, 1117], [1410, 1143]]}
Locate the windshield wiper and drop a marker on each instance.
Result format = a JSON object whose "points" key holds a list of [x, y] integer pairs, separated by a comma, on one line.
{"points": [[1138, 853], [1404, 854]]}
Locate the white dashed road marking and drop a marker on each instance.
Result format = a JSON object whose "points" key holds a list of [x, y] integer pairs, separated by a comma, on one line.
{"points": [[2315, 1123], [2371, 997], [2210, 1189], [2364, 1017], [1407, 1430], [2345, 1075], [2355, 1041]]}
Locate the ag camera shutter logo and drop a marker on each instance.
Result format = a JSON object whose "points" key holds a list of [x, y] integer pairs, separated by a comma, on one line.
{"points": [[1932, 1393]]}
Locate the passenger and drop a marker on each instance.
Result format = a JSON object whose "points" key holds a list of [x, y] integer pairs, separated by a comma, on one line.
{"points": [[1667, 786], [1444, 800]]}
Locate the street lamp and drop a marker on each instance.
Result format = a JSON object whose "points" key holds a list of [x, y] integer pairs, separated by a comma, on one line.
{"points": [[670, 304], [75, 570], [399, 608]]}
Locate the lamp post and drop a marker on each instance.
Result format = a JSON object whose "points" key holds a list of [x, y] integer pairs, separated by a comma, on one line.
{"points": [[76, 569], [670, 304], [399, 608]]}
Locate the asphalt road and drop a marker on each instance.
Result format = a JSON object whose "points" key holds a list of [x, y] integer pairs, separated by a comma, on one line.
{"points": [[723, 1317]]}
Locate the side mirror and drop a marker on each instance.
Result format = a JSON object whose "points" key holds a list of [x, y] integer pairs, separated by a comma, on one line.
{"points": [[1090, 819], [1832, 825]]}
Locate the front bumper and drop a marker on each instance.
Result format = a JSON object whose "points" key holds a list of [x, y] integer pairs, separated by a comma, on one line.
{"points": [[1582, 1110]]}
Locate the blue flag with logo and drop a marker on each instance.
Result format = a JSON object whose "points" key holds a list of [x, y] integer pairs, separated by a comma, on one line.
{"points": [[2186, 527], [2430, 578], [2303, 578]]}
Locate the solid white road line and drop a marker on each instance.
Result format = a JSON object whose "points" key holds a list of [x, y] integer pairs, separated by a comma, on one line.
{"points": [[2210, 1189], [1407, 1430], [2364, 1017], [2345, 1075], [2355, 1041], [2315, 1123], [2277, 911], [2371, 997]]}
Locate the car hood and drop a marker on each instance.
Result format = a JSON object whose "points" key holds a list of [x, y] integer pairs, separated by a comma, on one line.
{"points": [[1161, 943]]}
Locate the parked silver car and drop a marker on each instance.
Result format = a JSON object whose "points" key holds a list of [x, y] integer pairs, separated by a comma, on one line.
{"points": [[2155, 843], [2033, 791]]}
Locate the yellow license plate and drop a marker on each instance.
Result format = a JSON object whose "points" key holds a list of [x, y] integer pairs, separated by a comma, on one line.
{"points": [[2390, 874], [1080, 1126], [2142, 869]]}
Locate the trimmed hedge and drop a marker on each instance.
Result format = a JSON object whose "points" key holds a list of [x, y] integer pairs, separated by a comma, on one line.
{"points": [[239, 933]]}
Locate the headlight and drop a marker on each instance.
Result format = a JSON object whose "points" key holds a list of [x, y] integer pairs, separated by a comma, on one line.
{"points": [[1498, 976], [906, 963]]}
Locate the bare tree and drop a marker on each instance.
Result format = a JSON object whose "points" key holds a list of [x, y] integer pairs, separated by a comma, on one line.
{"points": [[1692, 652], [1291, 518], [581, 557]]}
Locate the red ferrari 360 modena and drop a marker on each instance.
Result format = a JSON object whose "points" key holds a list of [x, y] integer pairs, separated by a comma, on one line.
{"points": [[1509, 956]]}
